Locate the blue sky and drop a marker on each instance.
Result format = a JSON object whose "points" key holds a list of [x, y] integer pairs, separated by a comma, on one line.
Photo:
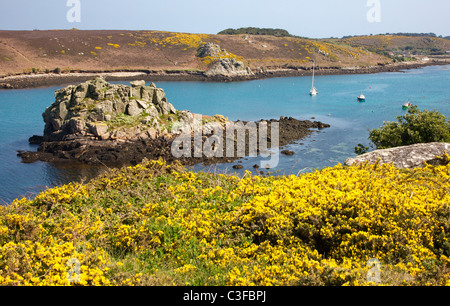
{"points": [[312, 18]]}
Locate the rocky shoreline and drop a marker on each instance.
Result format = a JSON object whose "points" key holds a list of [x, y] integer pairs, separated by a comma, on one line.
{"points": [[114, 153], [55, 79]]}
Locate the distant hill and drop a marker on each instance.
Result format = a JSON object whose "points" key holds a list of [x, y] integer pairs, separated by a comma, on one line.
{"points": [[410, 44], [401, 34]]}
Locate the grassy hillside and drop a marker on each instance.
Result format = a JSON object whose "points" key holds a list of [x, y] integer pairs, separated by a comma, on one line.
{"points": [[157, 224], [28, 51]]}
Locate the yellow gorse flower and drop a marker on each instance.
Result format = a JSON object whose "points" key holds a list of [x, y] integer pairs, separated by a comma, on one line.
{"points": [[157, 223]]}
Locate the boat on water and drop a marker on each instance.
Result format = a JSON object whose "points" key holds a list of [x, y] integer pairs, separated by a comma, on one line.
{"points": [[407, 105], [361, 98], [313, 91]]}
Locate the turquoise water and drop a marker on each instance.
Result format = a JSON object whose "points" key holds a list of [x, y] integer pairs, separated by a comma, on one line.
{"points": [[21, 117]]}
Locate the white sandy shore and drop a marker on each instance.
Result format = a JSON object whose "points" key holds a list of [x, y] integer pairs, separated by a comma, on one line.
{"points": [[66, 75]]}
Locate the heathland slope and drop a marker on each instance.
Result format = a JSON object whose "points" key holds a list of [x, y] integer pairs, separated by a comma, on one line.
{"points": [[400, 44], [40, 51], [54, 57]]}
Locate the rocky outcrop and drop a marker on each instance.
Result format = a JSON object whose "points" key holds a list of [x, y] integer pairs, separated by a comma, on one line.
{"points": [[223, 64], [407, 157], [109, 111], [119, 153], [228, 67], [211, 50]]}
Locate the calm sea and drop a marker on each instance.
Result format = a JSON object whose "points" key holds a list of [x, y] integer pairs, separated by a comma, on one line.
{"points": [[429, 88]]}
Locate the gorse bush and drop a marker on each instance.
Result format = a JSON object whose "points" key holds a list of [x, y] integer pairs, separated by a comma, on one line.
{"points": [[415, 126], [158, 224]]}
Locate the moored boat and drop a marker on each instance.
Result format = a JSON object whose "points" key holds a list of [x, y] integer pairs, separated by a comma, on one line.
{"points": [[407, 105], [361, 98]]}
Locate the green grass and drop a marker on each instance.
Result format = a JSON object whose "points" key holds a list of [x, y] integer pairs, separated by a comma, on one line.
{"points": [[159, 264]]}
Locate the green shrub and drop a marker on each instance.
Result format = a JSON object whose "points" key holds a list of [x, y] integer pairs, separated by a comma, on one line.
{"points": [[256, 31], [415, 126], [361, 149]]}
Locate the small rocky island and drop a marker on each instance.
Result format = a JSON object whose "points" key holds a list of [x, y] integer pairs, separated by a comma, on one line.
{"points": [[113, 124], [99, 110]]}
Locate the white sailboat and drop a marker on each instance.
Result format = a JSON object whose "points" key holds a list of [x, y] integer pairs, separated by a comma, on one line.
{"points": [[313, 91]]}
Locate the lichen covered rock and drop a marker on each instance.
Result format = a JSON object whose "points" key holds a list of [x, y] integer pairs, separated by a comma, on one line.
{"points": [[407, 157]]}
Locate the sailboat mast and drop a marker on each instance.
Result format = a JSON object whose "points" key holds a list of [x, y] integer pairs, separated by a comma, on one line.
{"points": [[313, 91]]}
